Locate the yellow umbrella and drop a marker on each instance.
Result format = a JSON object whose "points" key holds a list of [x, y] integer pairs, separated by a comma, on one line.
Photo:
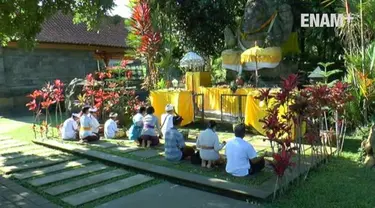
{"points": [[257, 58]]}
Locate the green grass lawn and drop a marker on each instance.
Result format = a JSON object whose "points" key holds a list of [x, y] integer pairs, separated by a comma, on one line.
{"points": [[342, 182]]}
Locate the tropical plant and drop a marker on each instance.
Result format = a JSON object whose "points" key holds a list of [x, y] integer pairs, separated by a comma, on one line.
{"points": [[327, 74], [42, 100], [362, 108], [145, 40]]}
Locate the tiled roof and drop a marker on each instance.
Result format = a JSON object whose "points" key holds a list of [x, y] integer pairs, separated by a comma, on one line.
{"points": [[61, 29]]}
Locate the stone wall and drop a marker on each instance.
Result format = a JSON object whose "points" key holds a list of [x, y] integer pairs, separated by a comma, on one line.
{"points": [[21, 72]]}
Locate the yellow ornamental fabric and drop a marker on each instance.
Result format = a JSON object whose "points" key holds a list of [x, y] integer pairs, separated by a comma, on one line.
{"points": [[212, 99], [182, 101], [260, 55], [231, 57], [291, 46], [257, 110], [194, 80]]}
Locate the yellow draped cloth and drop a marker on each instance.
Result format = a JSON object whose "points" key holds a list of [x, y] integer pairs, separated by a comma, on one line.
{"points": [[212, 97], [182, 100], [257, 110], [194, 80]]}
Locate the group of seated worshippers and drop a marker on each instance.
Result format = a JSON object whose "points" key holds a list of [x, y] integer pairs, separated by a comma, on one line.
{"points": [[85, 126], [146, 129], [241, 157]]}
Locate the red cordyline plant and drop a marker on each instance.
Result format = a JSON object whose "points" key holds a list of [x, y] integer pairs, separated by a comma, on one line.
{"points": [[108, 93], [280, 128], [145, 39], [42, 100]]}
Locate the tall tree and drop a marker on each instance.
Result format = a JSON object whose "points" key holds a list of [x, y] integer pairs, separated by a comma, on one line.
{"points": [[21, 20]]}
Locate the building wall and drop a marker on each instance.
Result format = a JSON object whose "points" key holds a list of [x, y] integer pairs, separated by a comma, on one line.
{"points": [[21, 72]]}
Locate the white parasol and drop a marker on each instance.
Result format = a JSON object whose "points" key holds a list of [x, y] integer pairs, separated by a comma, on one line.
{"points": [[192, 61]]}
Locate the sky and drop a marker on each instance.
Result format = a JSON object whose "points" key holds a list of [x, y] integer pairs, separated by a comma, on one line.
{"points": [[121, 9]]}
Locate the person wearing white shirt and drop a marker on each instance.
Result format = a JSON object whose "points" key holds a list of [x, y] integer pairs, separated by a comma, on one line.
{"points": [[167, 119], [86, 122], [209, 145], [137, 126], [242, 159], [95, 122], [110, 126], [69, 129]]}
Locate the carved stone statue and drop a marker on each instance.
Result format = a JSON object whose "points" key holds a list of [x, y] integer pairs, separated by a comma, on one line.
{"points": [[267, 22]]}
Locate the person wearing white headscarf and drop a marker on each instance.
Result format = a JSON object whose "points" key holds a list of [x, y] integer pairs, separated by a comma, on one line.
{"points": [[69, 130], [95, 122], [167, 119], [110, 126]]}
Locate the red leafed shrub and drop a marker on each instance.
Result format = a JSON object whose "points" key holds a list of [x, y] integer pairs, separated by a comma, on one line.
{"points": [[282, 161], [107, 92]]}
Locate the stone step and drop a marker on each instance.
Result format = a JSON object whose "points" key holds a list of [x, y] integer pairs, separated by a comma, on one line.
{"points": [[9, 141], [85, 182], [66, 175], [160, 196], [104, 145], [19, 149], [31, 158], [147, 153], [51, 169], [124, 149], [15, 144], [38, 164], [2, 138], [105, 190], [18, 155]]}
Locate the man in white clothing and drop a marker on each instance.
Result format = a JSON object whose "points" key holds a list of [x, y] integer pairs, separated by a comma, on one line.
{"points": [[110, 126], [86, 122], [242, 159], [95, 122], [69, 130], [167, 119]]}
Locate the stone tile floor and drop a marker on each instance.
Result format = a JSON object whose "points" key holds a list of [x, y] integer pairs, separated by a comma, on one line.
{"points": [[78, 182]]}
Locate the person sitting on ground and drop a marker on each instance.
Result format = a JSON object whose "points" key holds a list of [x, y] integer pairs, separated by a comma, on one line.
{"points": [[110, 126], [242, 159], [137, 126], [151, 129], [167, 119], [209, 145], [95, 122], [175, 148], [86, 122], [69, 129]]}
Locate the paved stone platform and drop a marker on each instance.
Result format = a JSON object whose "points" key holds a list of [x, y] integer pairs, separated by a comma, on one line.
{"points": [[13, 195], [146, 153], [67, 174], [171, 195], [105, 190], [186, 177], [85, 182], [51, 169], [42, 163]]}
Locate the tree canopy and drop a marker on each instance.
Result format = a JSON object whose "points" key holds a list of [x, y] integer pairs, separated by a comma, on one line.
{"points": [[21, 20]]}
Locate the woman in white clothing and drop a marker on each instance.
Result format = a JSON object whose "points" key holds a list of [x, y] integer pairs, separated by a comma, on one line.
{"points": [[209, 145], [110, 126]]}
